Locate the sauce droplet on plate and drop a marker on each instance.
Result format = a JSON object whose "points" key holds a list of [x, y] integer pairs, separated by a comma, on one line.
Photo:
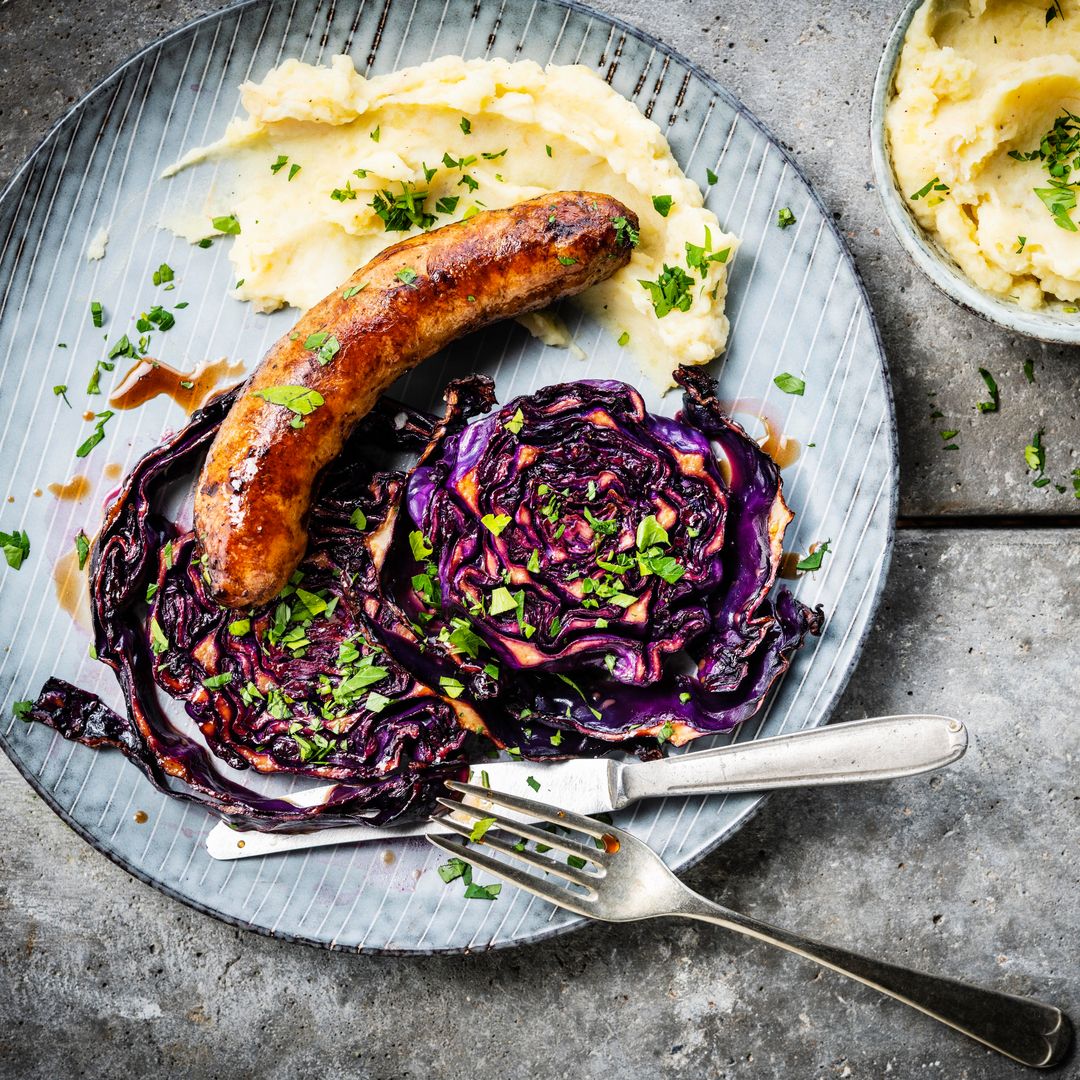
{"points": [[789, 566], [113, 470], [773, 441], [141, 817], [78, 487], [388, 857], [611, 843], [150, 378], [72, 588]]}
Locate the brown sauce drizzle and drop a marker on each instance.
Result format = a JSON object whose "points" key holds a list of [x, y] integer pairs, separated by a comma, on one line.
{"points": [[150, 378], [783, 450], [789, 566], [78, 487], [789, 562], [72, 588]]}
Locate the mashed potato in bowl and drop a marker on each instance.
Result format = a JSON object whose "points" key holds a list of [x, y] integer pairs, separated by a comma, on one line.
{"points": [[984, 131], [327, 168]]}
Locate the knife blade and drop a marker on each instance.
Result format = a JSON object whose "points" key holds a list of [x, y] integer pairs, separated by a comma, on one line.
{"points": [[881, 748]]}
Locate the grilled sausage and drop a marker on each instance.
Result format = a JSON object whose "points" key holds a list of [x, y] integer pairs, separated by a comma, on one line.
{"points": [[414, 298]]}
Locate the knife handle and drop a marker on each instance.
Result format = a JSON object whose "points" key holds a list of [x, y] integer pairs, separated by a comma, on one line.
{"points": [[881, 748]]}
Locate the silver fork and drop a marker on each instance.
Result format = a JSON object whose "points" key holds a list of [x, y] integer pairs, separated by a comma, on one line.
{"points": [[616, 877]]}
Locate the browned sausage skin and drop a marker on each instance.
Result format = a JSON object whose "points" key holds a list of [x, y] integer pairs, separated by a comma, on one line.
{"points": [[252, 499]]}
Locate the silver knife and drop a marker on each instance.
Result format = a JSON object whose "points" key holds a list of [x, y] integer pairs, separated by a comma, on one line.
{"points": [[882, 748]]}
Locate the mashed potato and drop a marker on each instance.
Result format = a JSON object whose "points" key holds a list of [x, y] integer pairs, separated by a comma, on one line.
{"points": [[977, 80], [323, 150]]}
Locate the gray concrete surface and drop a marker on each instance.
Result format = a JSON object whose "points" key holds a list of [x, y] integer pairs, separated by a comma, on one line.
{"points": [[973, 872]]}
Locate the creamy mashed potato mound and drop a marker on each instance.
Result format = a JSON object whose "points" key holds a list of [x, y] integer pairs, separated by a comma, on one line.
{"points": [[976, 80], [531, 130]]}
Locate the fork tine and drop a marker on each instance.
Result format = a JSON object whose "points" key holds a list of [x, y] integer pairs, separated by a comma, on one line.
{"points": [[537, 862], [546, 890], [537, 810], [528, 832]]}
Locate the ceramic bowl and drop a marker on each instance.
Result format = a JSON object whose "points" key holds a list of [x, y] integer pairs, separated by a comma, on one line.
{"points": [[1052, 325]]}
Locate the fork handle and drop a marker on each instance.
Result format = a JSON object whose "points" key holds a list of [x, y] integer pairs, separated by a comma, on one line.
{"points": [[1025, 1030]]}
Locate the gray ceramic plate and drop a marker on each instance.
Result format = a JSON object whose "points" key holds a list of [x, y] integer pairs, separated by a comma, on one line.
{"points": [[796, 305]]}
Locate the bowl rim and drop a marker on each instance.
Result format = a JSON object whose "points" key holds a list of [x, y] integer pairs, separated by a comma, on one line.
{"points": [[927, 255]]}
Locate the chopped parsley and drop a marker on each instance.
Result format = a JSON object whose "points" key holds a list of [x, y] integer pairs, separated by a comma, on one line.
{"points": [[299, 400], [1059, 199], [376, 134], [480, 828], [1054, 12], [567, 260], [407, 275], [358, 519], [662, 204], [1029, 370], [1020, 242], [624, 338], [495, 523], [227, 224], [343, 194], [60, 390], [239, 627], [21, 709], [812, 561], [698, 257], [82, 547], [670, 291], [784, 217], [790, 384], [533, 782], [515, 423], [649, 532], [466, 125], [1035, 455], [376, 702], [711, 176], [324, 345], [352, 290], [215, 682], [547, 150], [992, 387], [924, 191], [97, 435], [403, 211], [97, 314], [163, 274], [625, 233], [452, 687], [458, 868], [16, 548], [159, 643], [421, 549], [1058, 151]]}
